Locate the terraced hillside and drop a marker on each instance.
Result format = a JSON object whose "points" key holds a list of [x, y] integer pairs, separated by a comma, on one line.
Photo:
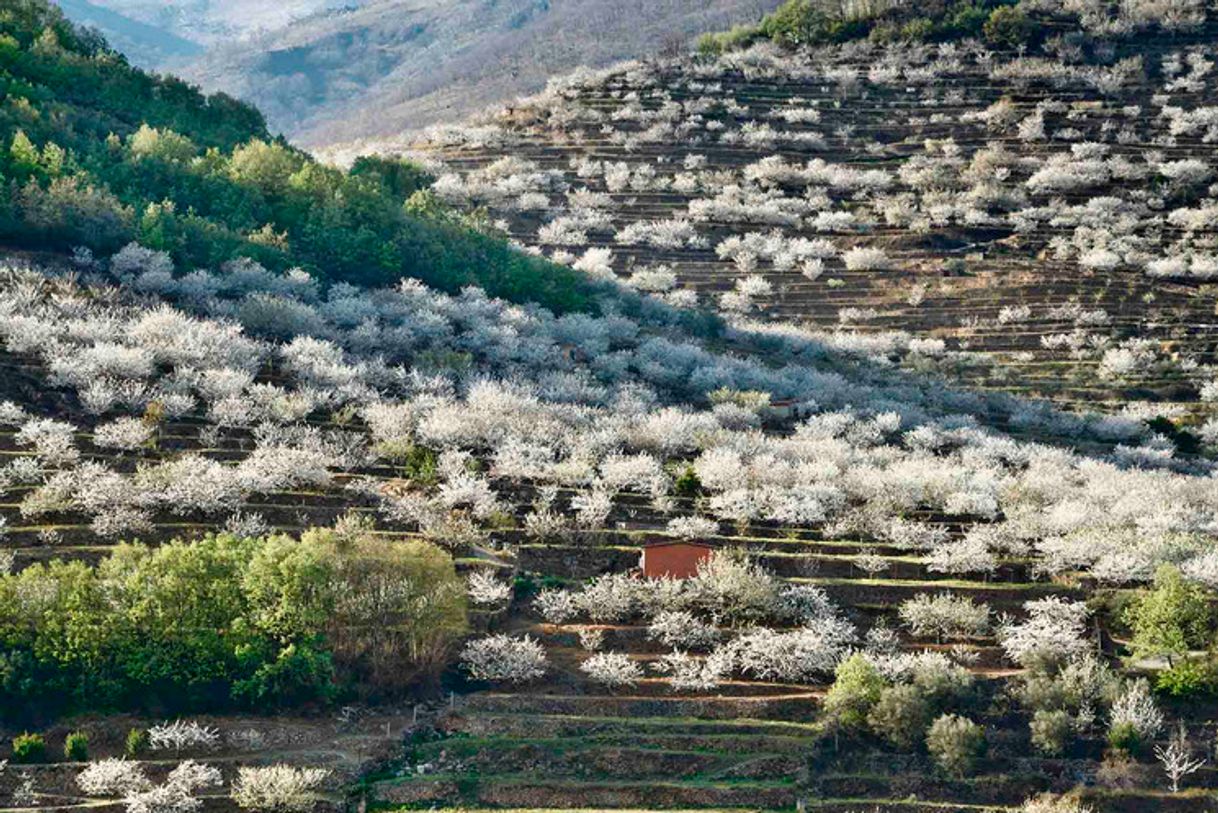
{"points": [[1051, 214], [362, 543], [344, 746], [137, 408]]}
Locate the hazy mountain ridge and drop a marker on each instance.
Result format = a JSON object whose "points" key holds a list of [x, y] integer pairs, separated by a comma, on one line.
{"points": [[404, 64], [144, 44], [165, 36], [215, 22]]}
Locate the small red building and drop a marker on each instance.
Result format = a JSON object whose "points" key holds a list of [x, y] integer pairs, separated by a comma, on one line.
{"points": [[673, 560]]}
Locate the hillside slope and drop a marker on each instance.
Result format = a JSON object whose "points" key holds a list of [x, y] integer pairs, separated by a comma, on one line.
{"points": [[100, 153], [1051, 214], [395, 65]]}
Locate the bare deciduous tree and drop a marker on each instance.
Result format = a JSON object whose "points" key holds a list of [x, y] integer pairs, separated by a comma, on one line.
{"points": [[1177, 758]]}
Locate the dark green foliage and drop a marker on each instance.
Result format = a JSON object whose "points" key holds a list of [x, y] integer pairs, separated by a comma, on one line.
{"points": [[297, 674], [687, 483], [814, 22], [94, 152], [1185, 441], [29, 748], [76, 747], [227, 622], [794, 23], [1052, 732], [528, 585], [915, 30], [418, 463], [400, 178], [137, 743], [1008, 28], [945, 21], [802, 22], [964, 19], [1124, 737]]}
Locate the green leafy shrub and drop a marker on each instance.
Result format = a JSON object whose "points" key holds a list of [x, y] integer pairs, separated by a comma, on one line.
{"points": [[687, 484], [956, 743], [282, 621], [298, 674], [29, 748], [794, 23], [1008, 27], [137, 743], [813, 22], [1124, 737], [856, 688], [1189, 677], [900, 716], [418, 463], [1052, 731], [917, 30], [797, 22], [401, 178], [740, 36], [965, 19], [1174, 617], [76, 747]]}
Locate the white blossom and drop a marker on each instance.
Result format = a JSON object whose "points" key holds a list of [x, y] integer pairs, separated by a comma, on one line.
{"points": [[277, 788], [182, 734], [612, 669], [501, 658], [487, 591], [112, 777], [681, 629], [1052, 632], [126, 434], [1136, 707]]}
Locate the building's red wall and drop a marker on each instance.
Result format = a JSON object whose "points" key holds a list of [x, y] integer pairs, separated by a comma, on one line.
{"points": [[673, 561]]}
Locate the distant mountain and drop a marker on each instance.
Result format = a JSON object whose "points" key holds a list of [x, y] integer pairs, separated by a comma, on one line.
{"points": [[396, 65], [145, 45], [166, 34]]}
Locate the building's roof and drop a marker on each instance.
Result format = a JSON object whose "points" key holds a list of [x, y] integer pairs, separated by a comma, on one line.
{"points": [[675, 544]]}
